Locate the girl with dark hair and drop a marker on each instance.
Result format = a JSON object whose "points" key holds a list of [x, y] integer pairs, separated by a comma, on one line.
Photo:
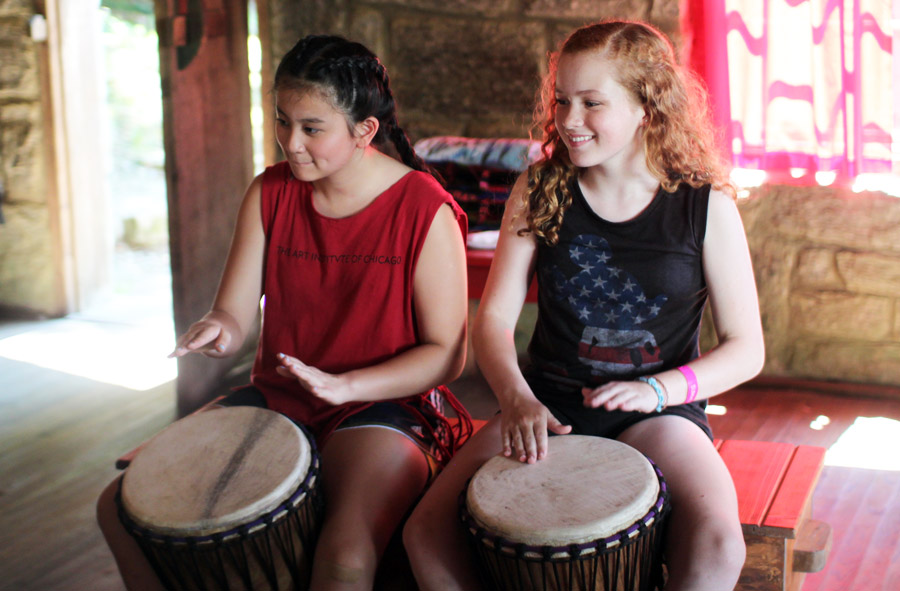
{"points": [[361, 260], [630, 224]]}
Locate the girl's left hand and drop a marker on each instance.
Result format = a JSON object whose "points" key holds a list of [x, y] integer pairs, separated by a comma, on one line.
{"points": [[333, 389], [627, 396]]}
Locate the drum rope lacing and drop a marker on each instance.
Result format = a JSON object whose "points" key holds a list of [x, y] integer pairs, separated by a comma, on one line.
{"points": [[302, 510], [566, 552]]}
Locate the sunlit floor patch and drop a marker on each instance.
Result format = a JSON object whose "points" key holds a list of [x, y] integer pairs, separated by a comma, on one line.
{"points": [[820, 423], [870, 442], [130, 356]]}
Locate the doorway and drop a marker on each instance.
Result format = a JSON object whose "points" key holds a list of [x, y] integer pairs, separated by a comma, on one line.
{"points": [[121, 326]]}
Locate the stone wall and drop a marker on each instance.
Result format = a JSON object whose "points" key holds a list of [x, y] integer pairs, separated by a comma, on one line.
{"points": [[827, 264], [28, 271], [459, 67]]}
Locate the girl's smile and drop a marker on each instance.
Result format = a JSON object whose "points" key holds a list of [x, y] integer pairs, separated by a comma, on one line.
{"points": [[579, 139]]}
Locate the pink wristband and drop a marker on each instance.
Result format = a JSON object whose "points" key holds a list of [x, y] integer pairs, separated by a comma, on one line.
{"points": [[691, 383]]}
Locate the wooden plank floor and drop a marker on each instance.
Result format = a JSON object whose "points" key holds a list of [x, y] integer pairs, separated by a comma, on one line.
{"points": [[60, 434], [862, 504]]}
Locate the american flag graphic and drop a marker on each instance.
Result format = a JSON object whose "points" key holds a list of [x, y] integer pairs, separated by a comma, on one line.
{"points": [[611, 305]]}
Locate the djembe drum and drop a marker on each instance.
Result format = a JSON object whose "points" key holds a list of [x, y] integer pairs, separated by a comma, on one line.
{"points": [[588, 517], [226, 499]]}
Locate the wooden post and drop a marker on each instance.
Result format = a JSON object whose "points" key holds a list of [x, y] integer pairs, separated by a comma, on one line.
{"points": [[209, 162]]}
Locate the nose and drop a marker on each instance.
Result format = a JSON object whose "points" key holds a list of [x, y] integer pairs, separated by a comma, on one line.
{"points": [[290, 139], [295, 143], [570, 116]]}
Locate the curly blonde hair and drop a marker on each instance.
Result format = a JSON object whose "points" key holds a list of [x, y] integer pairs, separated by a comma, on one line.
{"points": [[679, 142]]}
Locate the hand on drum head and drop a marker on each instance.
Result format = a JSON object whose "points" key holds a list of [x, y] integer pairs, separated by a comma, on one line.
{"points": [[523, 428], [333, 389], [626, 396], [211, 335]]}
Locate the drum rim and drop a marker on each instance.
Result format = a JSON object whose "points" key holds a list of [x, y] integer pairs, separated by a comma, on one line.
{"points": [[290, 505], [577, 550], [553, 502], [155, 456]]}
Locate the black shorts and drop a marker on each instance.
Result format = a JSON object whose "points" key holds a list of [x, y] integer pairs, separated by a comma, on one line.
{"points": [[385, 414], [564, 400]]}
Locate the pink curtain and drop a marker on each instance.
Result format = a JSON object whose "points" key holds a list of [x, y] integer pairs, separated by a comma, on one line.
{"points": [[799, 84]]}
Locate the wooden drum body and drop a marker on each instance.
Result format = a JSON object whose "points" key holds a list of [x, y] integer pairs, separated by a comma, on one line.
{"points": [[589, 517], [226, 499]]}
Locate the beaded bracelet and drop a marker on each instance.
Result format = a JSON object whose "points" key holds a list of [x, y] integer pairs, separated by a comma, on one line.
{"points": [[692, 386], [660, 399]]}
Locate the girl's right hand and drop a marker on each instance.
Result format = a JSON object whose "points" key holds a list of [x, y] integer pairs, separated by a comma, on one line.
{"points": [[523, 427], [210, 336]]}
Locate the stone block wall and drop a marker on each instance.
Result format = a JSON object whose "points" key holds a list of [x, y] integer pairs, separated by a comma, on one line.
{"points": [[459, 67], [827, 264], [28, 271]]}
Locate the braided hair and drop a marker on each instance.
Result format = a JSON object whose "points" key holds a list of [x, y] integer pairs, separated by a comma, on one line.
{"points": [[355, 81]]}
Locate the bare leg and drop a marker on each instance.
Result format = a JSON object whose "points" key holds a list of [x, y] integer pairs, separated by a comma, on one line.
{"points": [[371, 477], [705, 545], [136, 571], [434, 538]]}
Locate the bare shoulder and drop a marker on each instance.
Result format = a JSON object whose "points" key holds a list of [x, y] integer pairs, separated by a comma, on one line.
{"points": [[519, 192], [446, 216], [517, 207], [252, 199], [723, 215], [256, 185], [721, 203], [725, 235]]}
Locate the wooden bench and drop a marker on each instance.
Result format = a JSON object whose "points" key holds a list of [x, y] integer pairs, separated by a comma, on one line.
{"points": [[775, 484]]}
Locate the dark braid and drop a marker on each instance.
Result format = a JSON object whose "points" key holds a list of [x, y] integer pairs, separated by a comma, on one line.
{"points": [[357, 83], [404, 148]]}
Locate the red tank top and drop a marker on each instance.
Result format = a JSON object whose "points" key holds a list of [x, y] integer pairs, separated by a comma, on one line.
{"points": [[338, 293]]}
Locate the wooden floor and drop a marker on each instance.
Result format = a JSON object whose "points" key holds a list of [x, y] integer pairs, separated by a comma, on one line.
{"points": [[60, 434]]}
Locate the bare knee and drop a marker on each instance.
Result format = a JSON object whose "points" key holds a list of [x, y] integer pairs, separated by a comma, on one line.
{"points": [[726, 550], [107, 511], [417, 532], [340, 571], [343, 565], [712, 558], [411, 531], [345, 556], [732, 551], [433, 522]]}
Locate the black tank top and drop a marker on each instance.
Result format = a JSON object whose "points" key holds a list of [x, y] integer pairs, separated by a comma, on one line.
{"points": [[619, 300]]}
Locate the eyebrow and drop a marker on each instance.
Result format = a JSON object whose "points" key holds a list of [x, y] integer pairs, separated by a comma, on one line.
{"points": [[581, 92], [304, 120]]}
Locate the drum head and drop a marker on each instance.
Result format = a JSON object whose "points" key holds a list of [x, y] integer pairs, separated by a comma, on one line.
{"points": [[587, 488], [215, 470]]}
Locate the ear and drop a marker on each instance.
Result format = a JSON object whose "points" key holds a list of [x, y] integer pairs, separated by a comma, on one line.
{"points": [[646, 119], [365, 131]]}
